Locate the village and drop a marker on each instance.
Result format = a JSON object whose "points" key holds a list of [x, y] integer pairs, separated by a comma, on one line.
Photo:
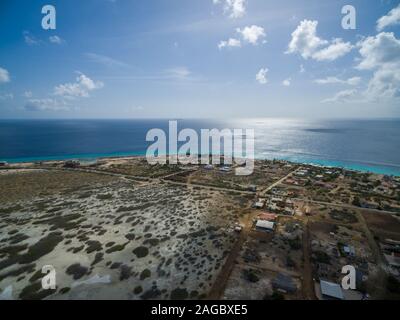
{"points": [[199, 231]]}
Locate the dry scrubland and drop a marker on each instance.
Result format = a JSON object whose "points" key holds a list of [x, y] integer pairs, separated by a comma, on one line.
{"points": [[120, 228], [109, 237]]}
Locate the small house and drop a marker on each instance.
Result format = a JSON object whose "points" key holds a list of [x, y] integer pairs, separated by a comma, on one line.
{"points": [[263, 225], [284, 283], [331, 291]]}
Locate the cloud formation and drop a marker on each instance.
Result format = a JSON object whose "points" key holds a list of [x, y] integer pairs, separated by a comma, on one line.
{"points": [[391, 19], [306, 42], [30, 39], [56, 40], [4, 75], [286, 82], [235, 8], [381, 54], [342, 96], [250, 34], [179, 73], [335, 50], [81, 88], [48, 104], [261, 76], [6, 96], [231, 42], [105, 60], [334, 80]]}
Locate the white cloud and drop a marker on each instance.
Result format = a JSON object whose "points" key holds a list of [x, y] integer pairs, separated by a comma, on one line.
{"points": [[28, 94], [63, 93], [342, 96], [235, 8], [229, 43], [391, 19], [335, 50], [179, 73], [56, 40], [287, 82], [261, 76], [381, 54], [252, 34], [30, 39], [48, 104], [302, 69], [334, 80], [105, 60], [6, 96], [4, 75], [306, 42], [80, 88], [385, 84], [380, 50]]}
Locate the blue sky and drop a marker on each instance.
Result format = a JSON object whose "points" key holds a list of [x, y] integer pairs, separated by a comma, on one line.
{"points": [[199, 59]]}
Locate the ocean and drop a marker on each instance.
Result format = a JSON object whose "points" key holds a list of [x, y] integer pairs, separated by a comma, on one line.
{"points": [[365, 145]]}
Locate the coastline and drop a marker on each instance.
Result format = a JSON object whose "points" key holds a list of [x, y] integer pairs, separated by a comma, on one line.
{"points": [[385, 169]]}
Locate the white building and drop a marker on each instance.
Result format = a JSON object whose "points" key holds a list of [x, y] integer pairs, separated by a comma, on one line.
{"points": [[265, 225]]}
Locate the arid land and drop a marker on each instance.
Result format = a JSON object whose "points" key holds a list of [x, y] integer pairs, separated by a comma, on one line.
{"points": [[120, 228]]}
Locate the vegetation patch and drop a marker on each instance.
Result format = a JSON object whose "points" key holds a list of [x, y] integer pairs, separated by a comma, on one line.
{"points": [[179, 294], [138, 290], [21, 270], [104, 196], [145, 274], [93, 245], [34, 291], [141, 252], [42, 247], [67, 222], [76, 271], [118, 247]]}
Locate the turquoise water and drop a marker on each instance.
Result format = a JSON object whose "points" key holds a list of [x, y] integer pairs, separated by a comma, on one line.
{"points": [[364, 145]]}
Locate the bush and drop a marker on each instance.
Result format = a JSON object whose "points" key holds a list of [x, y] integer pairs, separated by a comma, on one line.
{"points": [[250, 275]]}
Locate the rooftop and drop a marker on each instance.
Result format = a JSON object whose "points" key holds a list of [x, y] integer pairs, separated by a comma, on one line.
{"points": [[331, 290]]}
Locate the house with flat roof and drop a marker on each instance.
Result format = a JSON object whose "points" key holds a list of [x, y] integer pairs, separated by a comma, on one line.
{"points": [[331, 291], [263, 225], [267, 216], [393, 259], [349, 250], [284, 283]]}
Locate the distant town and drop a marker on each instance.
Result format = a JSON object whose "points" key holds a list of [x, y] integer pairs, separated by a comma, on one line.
{"points": [[121, 228]]}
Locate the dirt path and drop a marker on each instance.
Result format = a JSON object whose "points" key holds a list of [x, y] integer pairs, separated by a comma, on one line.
{"points": [[308, 283], [207, 187], [218, 288], [266, 190], [380, 281], [342, 205]]}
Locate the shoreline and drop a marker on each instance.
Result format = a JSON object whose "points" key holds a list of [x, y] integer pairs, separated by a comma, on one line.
{"points": [[343, 164]]}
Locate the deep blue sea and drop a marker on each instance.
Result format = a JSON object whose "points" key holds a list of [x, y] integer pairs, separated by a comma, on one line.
{"points": [[366, 145]]}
